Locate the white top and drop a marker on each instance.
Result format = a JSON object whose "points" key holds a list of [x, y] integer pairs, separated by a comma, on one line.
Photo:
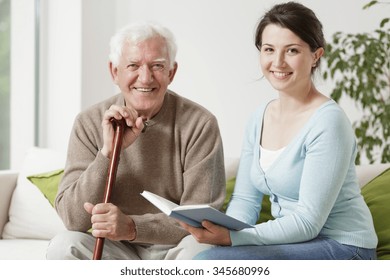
{"points": [[268, 157]]}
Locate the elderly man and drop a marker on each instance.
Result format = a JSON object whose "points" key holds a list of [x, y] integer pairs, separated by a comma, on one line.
{"points": [[171, 147]]}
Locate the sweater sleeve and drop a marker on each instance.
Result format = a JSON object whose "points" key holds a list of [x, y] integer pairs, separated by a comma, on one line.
{"points": [[204, 172], [84, 177], [327, 151]]}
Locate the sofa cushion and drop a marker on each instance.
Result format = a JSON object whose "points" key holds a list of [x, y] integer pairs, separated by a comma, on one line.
{"points": [[7, 186], [23, 249], [47, 183], [30, 214], [377, 196]]}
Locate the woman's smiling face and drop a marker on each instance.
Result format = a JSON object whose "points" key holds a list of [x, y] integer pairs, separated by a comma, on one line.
{"points": [[286, 60]]}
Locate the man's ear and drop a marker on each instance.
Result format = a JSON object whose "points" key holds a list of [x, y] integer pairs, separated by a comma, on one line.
{"points": [[172, 72], [113, 71]]}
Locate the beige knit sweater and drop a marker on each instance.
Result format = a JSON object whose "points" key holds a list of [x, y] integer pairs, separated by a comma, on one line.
{"points": [[179, 157]]}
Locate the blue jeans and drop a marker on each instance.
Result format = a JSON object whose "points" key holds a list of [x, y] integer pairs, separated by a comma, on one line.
{"points": [[320, 248]]}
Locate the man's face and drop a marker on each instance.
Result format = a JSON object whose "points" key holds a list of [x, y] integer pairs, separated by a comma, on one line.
{"points": [[143, 75]]}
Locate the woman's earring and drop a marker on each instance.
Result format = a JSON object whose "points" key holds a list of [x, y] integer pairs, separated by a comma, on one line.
{"points": [[314, 65]]}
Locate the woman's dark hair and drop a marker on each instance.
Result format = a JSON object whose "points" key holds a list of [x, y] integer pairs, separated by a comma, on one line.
{"points": [[299, 19]]}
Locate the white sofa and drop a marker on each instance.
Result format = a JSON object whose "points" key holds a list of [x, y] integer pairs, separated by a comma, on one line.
{"points": [[28, 221]]}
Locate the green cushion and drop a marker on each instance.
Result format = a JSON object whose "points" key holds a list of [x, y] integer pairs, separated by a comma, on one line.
{"points": [[265, 213], [47, 183], [377, 196]]}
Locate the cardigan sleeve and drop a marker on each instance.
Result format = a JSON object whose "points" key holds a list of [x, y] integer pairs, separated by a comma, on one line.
{"points": [[245, 203]]}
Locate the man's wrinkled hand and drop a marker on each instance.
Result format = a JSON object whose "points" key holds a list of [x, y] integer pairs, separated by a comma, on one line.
{"points": [[108, 221]]}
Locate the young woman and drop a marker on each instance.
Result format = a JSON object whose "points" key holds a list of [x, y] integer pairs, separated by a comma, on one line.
{"points": [[300, 150]]}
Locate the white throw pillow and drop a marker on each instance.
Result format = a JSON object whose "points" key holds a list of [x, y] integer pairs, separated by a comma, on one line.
{"points": [[30, 214]]}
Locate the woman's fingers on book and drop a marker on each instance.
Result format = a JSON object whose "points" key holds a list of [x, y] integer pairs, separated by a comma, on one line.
{"points": [[210, 233]]}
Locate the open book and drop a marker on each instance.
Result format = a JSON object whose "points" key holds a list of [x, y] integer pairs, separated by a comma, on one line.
{"points": [[194, 214]]}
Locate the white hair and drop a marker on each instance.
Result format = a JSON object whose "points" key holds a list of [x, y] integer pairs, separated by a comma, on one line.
{"points": [[140, 32]]}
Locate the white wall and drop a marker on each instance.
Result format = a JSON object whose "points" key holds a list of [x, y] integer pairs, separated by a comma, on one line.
{"points": [[60, 74], [61, 70], [98, 25], [74, 68], [218, 63], [22, 79]]}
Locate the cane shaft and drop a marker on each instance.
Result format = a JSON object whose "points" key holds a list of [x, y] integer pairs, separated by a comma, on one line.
{"points": [[119, 126]]}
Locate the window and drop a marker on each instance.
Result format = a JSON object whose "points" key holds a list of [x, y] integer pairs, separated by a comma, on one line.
{"points": [[4, 84]]}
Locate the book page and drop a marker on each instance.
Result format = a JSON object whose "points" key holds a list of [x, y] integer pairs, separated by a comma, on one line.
{"points": [[193, 206], [194, 214], [161, 203]]}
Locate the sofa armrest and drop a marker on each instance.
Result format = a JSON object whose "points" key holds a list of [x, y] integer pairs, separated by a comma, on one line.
{"points": [[8, 180]]}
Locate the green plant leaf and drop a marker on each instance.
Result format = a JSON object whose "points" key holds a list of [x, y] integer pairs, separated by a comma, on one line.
{"points": [[383, 22], [359, 65], [368, 5]]}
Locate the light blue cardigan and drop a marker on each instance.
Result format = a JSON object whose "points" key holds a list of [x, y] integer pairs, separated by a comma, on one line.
{"points": [[312, 185]]}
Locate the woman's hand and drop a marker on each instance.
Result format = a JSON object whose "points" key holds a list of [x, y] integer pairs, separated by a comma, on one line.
{"points": [[209, 234]]}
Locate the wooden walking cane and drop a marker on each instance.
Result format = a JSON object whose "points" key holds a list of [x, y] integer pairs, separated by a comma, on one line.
{"points": [[119, 127]]}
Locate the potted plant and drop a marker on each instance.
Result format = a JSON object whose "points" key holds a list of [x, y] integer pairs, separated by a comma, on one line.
{"points": [[360, 66]]}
